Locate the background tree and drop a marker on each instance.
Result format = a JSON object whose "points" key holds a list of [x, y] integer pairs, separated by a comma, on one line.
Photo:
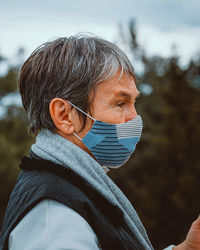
{"points": [[162, 178], [14, 137]]}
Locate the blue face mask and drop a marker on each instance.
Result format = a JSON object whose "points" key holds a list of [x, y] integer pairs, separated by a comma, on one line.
{"points": [[112, 144]]}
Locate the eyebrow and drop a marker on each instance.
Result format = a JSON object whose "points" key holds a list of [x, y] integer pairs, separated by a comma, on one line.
{"points": [[124, 94]]}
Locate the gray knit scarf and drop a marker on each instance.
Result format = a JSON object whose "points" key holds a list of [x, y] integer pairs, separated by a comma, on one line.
{"points": [[57, 149]]}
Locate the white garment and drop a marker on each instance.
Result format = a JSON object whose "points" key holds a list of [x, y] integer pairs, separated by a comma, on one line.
{"points": [[169, 248], [50, 225]]}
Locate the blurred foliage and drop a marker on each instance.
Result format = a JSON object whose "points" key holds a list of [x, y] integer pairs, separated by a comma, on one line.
{"points": [[161, 179], [14, 138]]}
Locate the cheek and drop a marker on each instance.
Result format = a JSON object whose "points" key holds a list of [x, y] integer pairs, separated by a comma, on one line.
{"points": [[108, 114], [114, 115]]}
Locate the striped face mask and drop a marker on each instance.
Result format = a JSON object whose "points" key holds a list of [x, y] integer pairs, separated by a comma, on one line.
{"points": [[112, 144]]}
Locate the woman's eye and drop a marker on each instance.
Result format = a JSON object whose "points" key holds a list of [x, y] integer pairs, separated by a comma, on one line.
{"points": [[120, 104]]}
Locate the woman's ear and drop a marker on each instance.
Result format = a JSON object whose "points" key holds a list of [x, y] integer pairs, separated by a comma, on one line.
{"points": [[61, 115]]}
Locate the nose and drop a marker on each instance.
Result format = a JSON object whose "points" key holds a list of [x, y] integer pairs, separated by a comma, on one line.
{"points": [[130, 113]]}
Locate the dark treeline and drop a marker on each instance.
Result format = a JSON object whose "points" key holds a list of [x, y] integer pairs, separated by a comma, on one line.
{"points": [[162, 177]]}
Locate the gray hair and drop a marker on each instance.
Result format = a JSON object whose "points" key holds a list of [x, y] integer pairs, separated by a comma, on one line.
{"points": [[68, 68]]}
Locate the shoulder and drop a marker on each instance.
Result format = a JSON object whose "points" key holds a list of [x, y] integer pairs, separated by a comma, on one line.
{"points": [[53, 224]]}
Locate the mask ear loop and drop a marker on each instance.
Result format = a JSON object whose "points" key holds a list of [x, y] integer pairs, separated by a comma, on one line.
{"points": [[81, 110], [84, 114], [77, 136]]}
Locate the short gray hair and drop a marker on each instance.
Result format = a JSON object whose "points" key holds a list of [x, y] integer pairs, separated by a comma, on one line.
{"points": [[67, 68]]}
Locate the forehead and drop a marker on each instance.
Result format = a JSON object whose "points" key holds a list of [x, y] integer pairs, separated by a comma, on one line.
{"points": [[117, 85]]}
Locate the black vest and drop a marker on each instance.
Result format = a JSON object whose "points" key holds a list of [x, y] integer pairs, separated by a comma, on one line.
{"points": [[40, 179]]}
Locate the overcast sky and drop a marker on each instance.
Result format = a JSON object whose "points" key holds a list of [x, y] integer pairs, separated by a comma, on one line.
{"points": [[160, 23]]}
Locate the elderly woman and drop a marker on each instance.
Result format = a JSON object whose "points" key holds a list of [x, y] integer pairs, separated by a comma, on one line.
{"points": [[79, 93]]}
